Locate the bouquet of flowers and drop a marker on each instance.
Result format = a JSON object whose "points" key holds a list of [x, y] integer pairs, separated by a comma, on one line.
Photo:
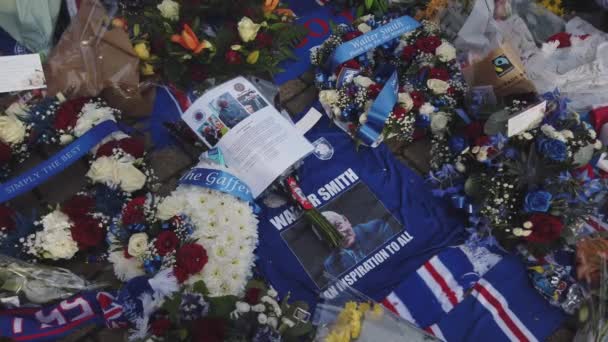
{"points": [[188, 42], [116, 172], [201, 234], [536, 186], [430, 83]]}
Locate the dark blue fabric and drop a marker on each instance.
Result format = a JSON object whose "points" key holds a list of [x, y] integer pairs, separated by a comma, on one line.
{"points": [[402, 192], [9, 46]]}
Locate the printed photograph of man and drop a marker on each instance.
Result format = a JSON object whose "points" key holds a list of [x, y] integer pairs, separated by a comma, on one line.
{"points": [[228, 110], [364, 224], [252, 101]]}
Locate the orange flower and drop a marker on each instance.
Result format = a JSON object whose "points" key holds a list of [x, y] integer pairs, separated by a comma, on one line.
{"points": [[189, 41], [285, 12], [270, 5]]}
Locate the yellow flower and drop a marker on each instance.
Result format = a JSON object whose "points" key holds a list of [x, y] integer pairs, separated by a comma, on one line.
{"points": [[147, 69], [355, 324], [378, 311], [142, 51], [253, 57]]}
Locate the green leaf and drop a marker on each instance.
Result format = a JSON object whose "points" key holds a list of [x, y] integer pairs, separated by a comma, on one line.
{"points": [[172, 307], [222, 306], [136, 30], [200, 287], [369, 4], [256, 284], [278, 26], [360, 11]]}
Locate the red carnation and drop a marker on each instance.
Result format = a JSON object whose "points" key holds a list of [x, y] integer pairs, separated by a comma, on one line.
{"points": [[166, 242], [209, 330], [352, 64], [373, 90], [439, 73], [160, 326], [78, 206], [252, 296], [87, 232], [399, 112], [351, 35], [417, 98], [191, 258], [5, 153], [428, 44], [263, 40], [563, 38], [482, 140], [545, 228], [7, 218], [408, 53], [473, 130], [133, 212], [233, 57], [106, 149], [67, 114], [132, 146], [180, 274]]}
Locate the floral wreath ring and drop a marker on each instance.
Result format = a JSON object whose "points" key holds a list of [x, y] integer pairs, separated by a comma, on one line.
{"points": [[117, 172], [430, 81]]}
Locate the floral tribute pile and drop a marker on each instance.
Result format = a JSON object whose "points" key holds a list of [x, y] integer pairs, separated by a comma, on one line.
{"points": [[535, 188], [117, 172], [430, 80], [188, 42]]}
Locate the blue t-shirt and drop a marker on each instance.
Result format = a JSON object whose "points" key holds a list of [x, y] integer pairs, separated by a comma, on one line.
{"points": [[397, 223]]}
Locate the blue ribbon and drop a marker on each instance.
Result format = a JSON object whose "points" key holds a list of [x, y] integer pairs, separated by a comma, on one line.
{"points": [[463, 115], [220, 181], [57, 163], [372, 39], [378, 113]]}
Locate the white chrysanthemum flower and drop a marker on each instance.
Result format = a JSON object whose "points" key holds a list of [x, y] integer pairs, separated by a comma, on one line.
{"points": [[92, 114], [125, 269]]}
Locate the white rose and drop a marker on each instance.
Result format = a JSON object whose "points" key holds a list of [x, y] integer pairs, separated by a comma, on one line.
{"points": [[92, 115], [427, 109], [58, 244], [363, 81], [262, 318], [65, 139], [12, 130], [328, 97], [248, 30], [438, 86], [169, 9], [130, 178], [406, 101], [567, 134], [446, 52], [104, 170], [18, 109], [439, 122], [138, 244], [56, 220], [169, 207], [363, 27], [366, 17]]}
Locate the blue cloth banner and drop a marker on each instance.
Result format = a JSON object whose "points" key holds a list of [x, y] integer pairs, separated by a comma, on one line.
{"points": [[372, 39], [57, 163], [370, 132], [218, 180]]}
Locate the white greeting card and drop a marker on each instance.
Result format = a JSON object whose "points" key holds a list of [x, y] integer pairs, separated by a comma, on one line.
{"points": [[21, 72]]}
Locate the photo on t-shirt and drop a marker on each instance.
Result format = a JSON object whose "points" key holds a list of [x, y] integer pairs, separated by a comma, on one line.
{"points": [[228, 109], [365, 224]]}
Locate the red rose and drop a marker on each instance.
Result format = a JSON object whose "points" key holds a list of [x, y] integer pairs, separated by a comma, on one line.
{"points": [[428, 44], [132, 146], [482, 140], [78, 206], [180, 274], [191, 258], [133, 212], [7, 218], [351, 64], [252, 296], [67, 114], [233, 57], [545, 228], [473, 130], [198, 72], [399, 112], [373, 90], [160, 326], [263, 40], [408, 53], [106, 149], [417, 98], [351, 35], [439, 73], [166, 242], [5, 153], [563, 38], [209, 330], [87, 232]]}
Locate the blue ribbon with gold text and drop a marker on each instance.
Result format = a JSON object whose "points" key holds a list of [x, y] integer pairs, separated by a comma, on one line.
{"points": [[57, 163]]}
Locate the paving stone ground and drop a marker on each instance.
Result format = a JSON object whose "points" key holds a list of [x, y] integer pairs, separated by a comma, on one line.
{"points": [[169, 163]]}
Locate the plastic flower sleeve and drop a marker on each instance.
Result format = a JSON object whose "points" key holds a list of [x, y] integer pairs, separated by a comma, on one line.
{"points": [[37, 283], [351, 316]]}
